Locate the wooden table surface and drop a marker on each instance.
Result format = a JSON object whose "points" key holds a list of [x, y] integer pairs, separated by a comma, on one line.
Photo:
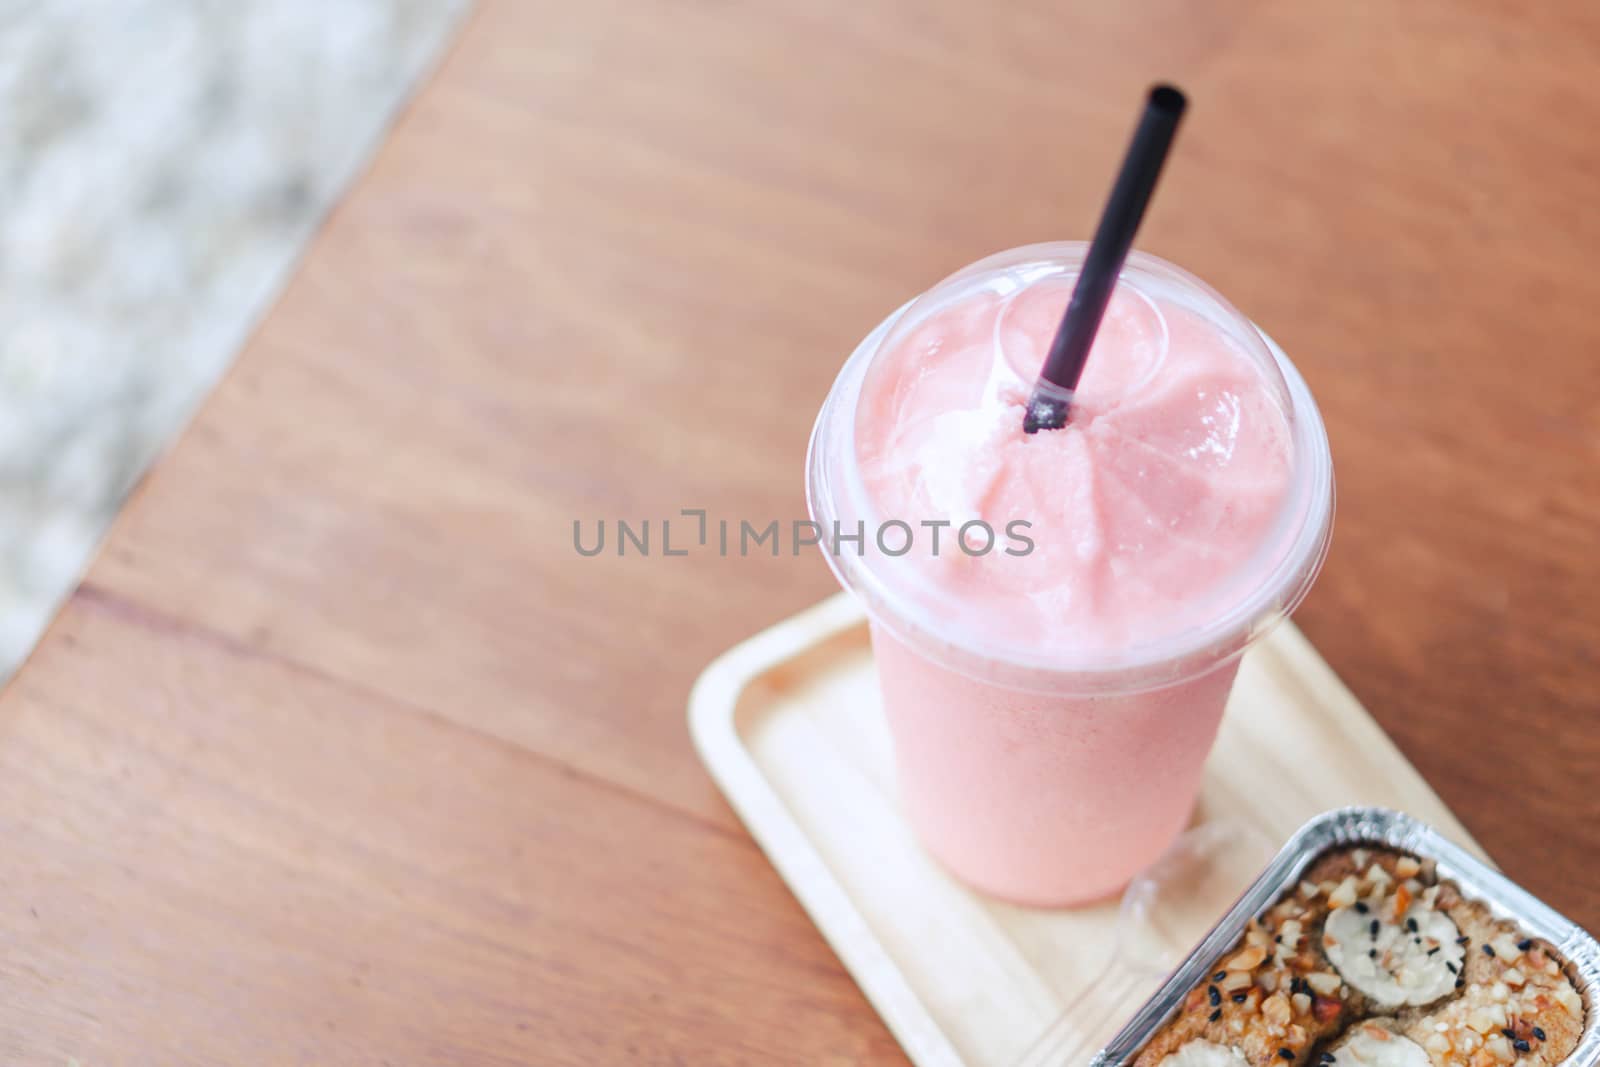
{"points": [[341, 754]]}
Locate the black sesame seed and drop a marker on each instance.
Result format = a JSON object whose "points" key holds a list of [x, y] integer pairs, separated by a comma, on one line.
{"points": [[1361, 908], [1432, 950], [1538, 1033], [1525, 944], [1372, 953], [1488, 950], [1450, 965], [1461, 981], [1219, 976], [1511, 1035], [1373, 929], [1285, 1054], [1327, 1057], [1214, 994], [1463, 940], [1411, 924], [1216, 1015], [1521, 1045], [1240, 998]]}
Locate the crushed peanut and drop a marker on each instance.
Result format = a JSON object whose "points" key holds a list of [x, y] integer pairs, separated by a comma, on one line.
{"points": [[1505, 947], [1247, 960], [1235, 981], [1324, 982], [1343, 895], [1277, 1012]]}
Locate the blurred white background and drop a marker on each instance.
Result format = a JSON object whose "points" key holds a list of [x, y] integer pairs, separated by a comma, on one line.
{"points": [[162, 164]]}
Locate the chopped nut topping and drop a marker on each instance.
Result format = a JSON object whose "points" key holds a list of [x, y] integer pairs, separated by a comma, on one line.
{"points": [[1500, 1048], [1482, 1021], [1247, 960], [1487, 993], [1276, 1011], [1323, 982], [1400, 902], [1235, 981], [1344, 895]]}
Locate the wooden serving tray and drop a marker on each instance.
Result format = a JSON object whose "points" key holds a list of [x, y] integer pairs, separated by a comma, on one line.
{"points": [[789, 724]]}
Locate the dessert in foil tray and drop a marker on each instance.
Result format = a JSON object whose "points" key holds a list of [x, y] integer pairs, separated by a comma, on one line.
{"points": [[1374, 961]]}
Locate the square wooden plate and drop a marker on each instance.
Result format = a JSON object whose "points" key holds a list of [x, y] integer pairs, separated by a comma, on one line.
{"points": [[789, 724]]}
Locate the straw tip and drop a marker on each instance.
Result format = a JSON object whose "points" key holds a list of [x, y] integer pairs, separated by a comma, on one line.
{"points": [[1168, 99], [1044, 413]]}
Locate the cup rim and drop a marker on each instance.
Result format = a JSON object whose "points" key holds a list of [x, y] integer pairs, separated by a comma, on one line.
{"points": [[1172, 659]]}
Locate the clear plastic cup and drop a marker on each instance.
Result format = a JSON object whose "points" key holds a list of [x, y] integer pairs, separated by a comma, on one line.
{"points": [[1051, 778]]}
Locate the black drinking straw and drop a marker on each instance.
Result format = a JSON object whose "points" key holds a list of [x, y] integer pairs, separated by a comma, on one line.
{"points": [[1058, 379]]}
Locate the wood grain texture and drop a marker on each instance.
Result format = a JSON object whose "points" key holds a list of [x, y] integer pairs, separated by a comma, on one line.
{"points": [[339, 645]]}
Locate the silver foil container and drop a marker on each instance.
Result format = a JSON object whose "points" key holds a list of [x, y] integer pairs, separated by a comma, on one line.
{"points": [[1378, 828]]}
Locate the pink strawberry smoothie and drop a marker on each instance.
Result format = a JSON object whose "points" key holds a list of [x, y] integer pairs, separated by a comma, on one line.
{"points": [[1170, 473], [1051, 709]]}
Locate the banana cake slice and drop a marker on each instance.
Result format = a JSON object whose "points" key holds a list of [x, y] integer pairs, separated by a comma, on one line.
{"points": [[1372, 961]]}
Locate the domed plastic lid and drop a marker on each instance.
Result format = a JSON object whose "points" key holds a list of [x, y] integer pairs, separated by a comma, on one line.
{"points": [[1185, 508]]}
